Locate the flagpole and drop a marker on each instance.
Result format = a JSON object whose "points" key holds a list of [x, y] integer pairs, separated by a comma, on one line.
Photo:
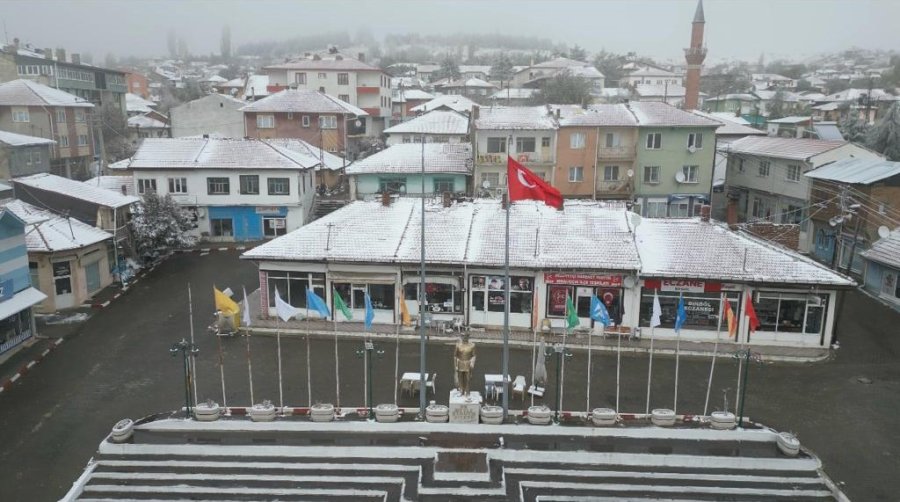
{"points": [[221, 366], [249, 366], [308, 371], [534, 354], [397, 361], [649, 371], [618, 363], [505, 361], [337, 373], [590, 351], [712, 366], [193, 357], [677, 356], [422, 300], [278, 341]]}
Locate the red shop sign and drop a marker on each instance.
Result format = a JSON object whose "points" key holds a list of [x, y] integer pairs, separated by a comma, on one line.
{"points": [[602, 281], [688, 286]]}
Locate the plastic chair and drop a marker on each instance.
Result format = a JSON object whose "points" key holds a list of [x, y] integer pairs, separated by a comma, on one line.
{"points": [[429, 384], [519, 386]]}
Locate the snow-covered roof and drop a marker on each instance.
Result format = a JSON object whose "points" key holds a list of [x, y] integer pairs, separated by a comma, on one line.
{"points": [[119, 164], [856, 171], [726, 117], [730, 128], [436, 122], [303, 101], [47, 232], [257, 85], [114, 183], [235, 82], [469, 82], [599, 115], [407, 158], [13, 139], [786, 96], [222, 153], [734, 96], [783, 148], [770, 76], [460, 104], [693, 249], [333, 63], [215, 79], [75, 189], [475, 68], [560, 62], [146, 122], [654, 113], [404, 95], [651, 71], [307, 154], [27, 93], [885, 250], [856, 94], [137, 104], [514, 117], [670, 91], [586, 235], [793, 119], [514, 93]]}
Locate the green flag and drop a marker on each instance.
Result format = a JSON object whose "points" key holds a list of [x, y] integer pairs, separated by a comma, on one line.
{"points": [[571, 314], [340, 305]]}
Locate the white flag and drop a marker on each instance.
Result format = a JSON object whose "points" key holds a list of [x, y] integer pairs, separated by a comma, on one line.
{"points": [[245, 310], [284, 309], [657, 311]]}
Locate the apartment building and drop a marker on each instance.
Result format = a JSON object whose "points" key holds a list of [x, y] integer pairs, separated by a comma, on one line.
{"points": [[526, 133]]}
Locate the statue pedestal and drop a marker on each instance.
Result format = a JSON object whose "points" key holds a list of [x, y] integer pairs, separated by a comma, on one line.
{"points": [[464, 409]]}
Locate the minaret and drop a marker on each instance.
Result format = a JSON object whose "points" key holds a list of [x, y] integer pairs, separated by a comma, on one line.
{"points": [[694, 56]]}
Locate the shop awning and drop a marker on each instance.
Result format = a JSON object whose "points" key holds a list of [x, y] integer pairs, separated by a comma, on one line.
{"points": [[362, 278], [21, 301], [702, 197]]}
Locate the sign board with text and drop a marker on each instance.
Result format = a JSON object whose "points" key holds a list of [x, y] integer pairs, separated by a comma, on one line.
{"points": [[601, 281]]}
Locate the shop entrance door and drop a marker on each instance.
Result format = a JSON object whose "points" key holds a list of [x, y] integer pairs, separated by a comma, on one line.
{"points": [[62, 282], [583, 305]]}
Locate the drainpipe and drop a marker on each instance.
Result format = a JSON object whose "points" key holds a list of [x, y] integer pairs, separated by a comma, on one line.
{"points": [[596, 163]]}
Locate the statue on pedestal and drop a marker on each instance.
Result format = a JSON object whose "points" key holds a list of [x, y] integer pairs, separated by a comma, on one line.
{"points": [[464, 362]]}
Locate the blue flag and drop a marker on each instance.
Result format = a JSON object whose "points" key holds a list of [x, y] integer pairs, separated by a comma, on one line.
{"points": [[315, 302], [370, 312], [681, 317], [599, 312]]}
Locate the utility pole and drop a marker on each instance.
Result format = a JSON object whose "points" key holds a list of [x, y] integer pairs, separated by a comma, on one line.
{"points": [[98, 131]]}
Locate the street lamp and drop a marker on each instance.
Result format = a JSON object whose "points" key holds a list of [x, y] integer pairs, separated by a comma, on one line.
{"points": [[366, 352], [560, 352], [187, 349], [747, 355]]}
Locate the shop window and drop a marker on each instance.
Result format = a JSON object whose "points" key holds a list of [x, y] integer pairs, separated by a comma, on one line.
{"points": [[273, 227], [492, 180], [442, 185], [292, 287], [392, 185], [790, 313], [221, 227], [655, 208], [439, 297], [488, 293], [702, 309], [354, 295]]}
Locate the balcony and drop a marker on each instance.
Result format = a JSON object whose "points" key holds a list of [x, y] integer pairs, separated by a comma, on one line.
{"points": [[614, 188], [525, 158], [616, 153], [368, 90]]}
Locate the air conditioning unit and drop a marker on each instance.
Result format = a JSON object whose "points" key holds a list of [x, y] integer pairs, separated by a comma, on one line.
{"points": [[691, 149], [201, 212]]}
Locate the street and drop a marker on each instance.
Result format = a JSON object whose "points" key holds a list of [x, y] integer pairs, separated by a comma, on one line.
{"points": [[118, 364]]}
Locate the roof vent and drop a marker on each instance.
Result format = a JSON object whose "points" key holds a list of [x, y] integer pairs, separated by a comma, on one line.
{"points": [[339, 58]]}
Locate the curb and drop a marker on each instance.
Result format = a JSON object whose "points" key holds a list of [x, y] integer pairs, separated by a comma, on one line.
{"points": [[27, 367], [207, 250], [124, 290]]}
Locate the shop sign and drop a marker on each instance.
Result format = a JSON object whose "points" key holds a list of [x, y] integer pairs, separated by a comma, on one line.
{"points": [[601, 281], [268, 210], [557, 296], [689, 286]]}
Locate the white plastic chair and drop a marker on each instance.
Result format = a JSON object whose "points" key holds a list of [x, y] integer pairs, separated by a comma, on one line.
{"points": [[519, 386]]}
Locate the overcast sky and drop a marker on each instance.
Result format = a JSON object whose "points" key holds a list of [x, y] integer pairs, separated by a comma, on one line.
{"points": [[735, 28]]}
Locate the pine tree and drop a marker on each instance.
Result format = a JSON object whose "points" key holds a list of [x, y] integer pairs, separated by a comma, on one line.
{"points": [[884, 136], [160, 226], [502, 68]]}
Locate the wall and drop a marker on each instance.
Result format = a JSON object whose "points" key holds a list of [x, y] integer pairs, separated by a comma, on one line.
{"points": [[18, 161], [396, 139], [368, 184], [356, 79], [13, 253], [213, 114], [567, 157], [79, 259], [290, 125], [672, 157]]}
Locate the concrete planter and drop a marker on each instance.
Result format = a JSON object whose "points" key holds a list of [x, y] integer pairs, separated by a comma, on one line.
{"points": [[262, 412], [322, 412], [491, 415], [122, 431], [788, 444], [209, 411], [604, 417], [722, 420], [437, 413], [539, 415], [662, 417], [387, 413]]}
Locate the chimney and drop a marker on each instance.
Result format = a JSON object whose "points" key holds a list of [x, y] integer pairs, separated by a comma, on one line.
{"points": [[475, 113], [76, 58], [61, 55], [385, 199], [558, 113], [447, 199], [206, 136], [361, 56], [48, 53], [704, 212], [731, 214], [124, 189]]}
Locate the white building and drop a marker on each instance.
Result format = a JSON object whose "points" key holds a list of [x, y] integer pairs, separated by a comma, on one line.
{"points": [[459, 104], [651, 75], [439, 126]]}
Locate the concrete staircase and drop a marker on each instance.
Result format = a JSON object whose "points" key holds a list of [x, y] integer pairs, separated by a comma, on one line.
{"points": [[323, 207]]}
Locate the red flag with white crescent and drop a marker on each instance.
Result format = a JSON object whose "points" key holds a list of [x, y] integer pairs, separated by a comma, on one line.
{"points": [[525, 185]]}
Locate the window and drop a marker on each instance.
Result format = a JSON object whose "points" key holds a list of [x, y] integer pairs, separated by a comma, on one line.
{"points": [[382, 295], [740, 164], [249, 184], [34, 273], [63, 140], [79, 115], [793, 173], [328, 122], [442, 185], [344, 97], [790, 313], [265, 121], [654, 141], [323, 76], [890, 286], [221, 227], [35, 157], [656, 208], [651, 174], [218, 186], [279, 186], [525, 145], [489, 294], [764, 168], [392, 185], [82, 140], [177, 185], [20, 115], [576, 173], [695, 140], [273, 227], [792, 214], [610, 173], [702, 309], [440, 297], [290, 116], [691, 174], [292, 287], [612, 140], [343, 79], [146, 185], [60, 116], [576, 140], [300, 78], [761, 209], [492, 179], [545, 142], [496, 145], [304, 120], [679, 209]]}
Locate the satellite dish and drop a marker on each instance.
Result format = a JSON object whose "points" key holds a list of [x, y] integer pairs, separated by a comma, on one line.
{"points": [[835, 220], [679, 177], [630, 173], [884, 232], [485, 184], [629, 281], [635, 220]]}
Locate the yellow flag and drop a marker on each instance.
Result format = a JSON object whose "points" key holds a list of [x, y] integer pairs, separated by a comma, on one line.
{"points": [[404, 311], [224, 303]]}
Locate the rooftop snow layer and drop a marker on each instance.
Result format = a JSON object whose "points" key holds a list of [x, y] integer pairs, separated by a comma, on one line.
{"points": [[13, 139], [436, 122], [407, 158], [886, 250], [596, 115], [856, 171], [303, 101], [27, 93], [460, 104], [75, 189], [515, 117], [653, 113], [783, 148], [135, 103], [114, 183], [47, 232], [226, 153]]}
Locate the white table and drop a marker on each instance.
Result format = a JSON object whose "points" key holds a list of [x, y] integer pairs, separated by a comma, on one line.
{"points": [[410, 381], [493, 384]]}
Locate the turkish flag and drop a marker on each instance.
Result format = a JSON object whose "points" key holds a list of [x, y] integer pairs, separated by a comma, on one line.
{"points": [[525, 185], [751, 314]]}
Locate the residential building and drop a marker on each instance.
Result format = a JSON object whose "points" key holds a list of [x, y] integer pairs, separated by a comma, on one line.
{"points": [[865, 104], [480, 71], [148, 125], [459, 104], [351, 80], [214, 115], [534, 75], [404, 100], [21, 155], [525, 133], [768, 81], [854, 198], [398, 170], [35, 109], [513, 96], [765, 177], [651, 75], [694, 55], [138, 84], [789, 102], [16, 290], [136, 105], [596, 151], [312, 116], [236, 189], [882, 268], [68, 260], [736, 104], [439, 126], [791, 127], [670, 94], [675, 157], [469, 87]]}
